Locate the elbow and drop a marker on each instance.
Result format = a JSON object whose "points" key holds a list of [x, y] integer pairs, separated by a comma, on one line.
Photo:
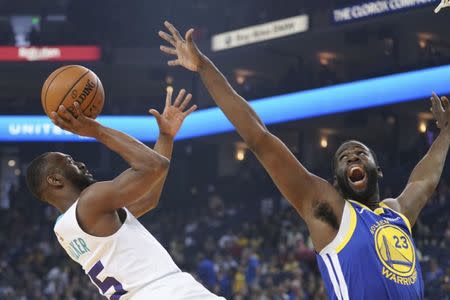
{"points": [[157, 168], [162, 165]]}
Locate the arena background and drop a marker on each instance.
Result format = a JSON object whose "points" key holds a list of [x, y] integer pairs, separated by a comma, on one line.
{"points": [[220, 216]]}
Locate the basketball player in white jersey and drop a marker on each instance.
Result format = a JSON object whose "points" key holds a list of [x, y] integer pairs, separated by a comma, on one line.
{"points": [[98, 226]]}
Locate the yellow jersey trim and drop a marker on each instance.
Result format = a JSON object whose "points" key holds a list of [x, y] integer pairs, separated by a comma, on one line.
{"points": [[405, 219], [379, 211], [350, 231]]}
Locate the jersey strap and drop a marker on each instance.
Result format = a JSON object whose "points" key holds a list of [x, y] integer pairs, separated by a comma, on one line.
{"points": [[405, 219], [345, 232]]}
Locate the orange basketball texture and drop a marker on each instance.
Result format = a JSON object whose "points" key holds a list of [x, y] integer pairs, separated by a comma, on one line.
{"points": [[73, 83]]}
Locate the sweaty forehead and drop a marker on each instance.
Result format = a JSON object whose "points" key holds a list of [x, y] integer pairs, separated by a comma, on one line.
{"points": [[351, 145], [56, 157]]}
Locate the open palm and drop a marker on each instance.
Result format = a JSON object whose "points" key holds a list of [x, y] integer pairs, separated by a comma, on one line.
{"points": [[185, 49], [170, 121], [441, 111]]}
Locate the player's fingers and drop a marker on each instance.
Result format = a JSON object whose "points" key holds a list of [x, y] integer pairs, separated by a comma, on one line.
{"points": [[188, 35], [65, 114], [434, 107], [77, 110], [155, 113], [58, 121], [179, 97], [191, 109], [185, 102], [168, 50], [176, 35], [169, 97], [438, 102], [175, 62], [167, 37], [445, 102]]}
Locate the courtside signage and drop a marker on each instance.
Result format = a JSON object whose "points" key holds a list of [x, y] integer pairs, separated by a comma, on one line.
{"points": [[374, 8], [277, 109], [50, 53], [259, 33]]}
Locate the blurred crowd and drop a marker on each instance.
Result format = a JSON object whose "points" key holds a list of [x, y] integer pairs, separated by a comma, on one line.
{"points": [[255, 249]]}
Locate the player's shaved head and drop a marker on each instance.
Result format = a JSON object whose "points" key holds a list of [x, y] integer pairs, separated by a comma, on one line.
{"points": [[37, 172], [53, 171]]}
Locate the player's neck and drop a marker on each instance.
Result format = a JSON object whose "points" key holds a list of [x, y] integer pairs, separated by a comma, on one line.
{"points": [[373, 201], [65, 199], [63, 206]]}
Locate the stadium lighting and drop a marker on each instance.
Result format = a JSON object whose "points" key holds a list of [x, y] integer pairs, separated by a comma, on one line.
{"points": [[241, 149], [385, 90], [323, 142], [423, 126]]}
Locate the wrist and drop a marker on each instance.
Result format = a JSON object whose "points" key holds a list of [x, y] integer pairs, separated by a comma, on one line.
{"points": [[166, 136], [203, 64], [97, 131], [445, 132]]}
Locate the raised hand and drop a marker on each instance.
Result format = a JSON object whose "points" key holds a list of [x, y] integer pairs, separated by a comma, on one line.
{"points": [[185, 49], [172, 118], [441, 111], [75, 122]]}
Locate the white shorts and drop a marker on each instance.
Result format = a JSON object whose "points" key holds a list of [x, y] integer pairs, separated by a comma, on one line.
{"points": [[178, 286]]}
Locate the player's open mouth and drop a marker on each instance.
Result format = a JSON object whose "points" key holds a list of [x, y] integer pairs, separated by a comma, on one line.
{"points": [[357, 177]]}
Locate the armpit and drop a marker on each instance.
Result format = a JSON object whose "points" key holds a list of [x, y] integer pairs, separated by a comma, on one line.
{"points": [[324, 212]]}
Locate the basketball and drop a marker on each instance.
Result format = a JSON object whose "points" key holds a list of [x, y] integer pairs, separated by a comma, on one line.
{"points": [[73, 83]]}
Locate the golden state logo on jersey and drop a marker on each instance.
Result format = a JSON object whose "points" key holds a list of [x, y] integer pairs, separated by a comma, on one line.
{"points": [[396, 252]]}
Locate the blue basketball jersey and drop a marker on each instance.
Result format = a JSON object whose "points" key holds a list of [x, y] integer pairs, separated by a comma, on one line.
{"points": [[372, 256]]}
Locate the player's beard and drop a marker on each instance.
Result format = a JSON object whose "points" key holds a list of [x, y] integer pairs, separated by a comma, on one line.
{"points": [[361, 196], [80, 180]]}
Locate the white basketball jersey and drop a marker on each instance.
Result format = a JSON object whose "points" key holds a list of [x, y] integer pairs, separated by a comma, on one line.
{"points": [[129, 264]]}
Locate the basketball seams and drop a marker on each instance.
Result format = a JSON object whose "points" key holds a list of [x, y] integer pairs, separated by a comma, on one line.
{"points": [[93, 97], [50, 83], [68, 91]]}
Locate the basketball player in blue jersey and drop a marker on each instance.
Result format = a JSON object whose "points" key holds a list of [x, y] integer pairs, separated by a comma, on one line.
{"points": [[364, 244], [99, 227]]}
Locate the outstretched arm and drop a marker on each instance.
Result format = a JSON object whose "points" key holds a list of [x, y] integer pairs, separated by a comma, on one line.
{"points": [[427, 173], [314, 198], [146, 166], [169, 123]]}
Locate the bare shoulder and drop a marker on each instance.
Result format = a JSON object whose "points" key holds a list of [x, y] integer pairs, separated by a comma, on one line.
{"points": [[393, 204], [93, 198], [94, 214]]}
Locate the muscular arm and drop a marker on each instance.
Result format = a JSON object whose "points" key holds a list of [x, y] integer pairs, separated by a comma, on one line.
{"points": [[295, 182], [163, 146], [316, 200], [427, 173], [146, 166], [238, 111], [169, 123], [423, 180]]}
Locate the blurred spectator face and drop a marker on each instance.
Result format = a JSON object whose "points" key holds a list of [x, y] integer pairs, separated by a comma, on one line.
{"points": [[356, 171]]}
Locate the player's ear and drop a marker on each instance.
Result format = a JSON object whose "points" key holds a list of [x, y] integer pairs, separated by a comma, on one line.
{"points": [[335, 182], [379, 172], [55, 180]]}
